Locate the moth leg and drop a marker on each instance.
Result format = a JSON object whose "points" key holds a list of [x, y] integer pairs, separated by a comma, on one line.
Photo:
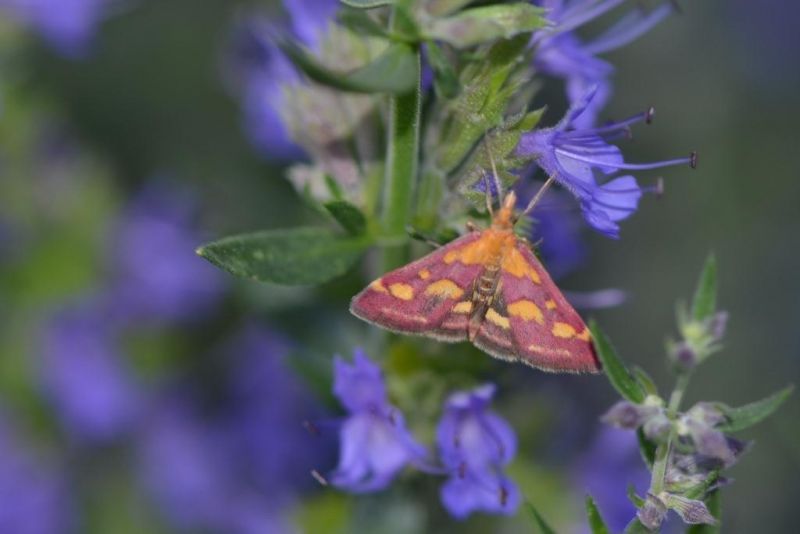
{"points": [[416, 235], [471, 226]]}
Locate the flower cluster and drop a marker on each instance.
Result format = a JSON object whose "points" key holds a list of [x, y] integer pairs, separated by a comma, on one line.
{"points": [[474, 443]]}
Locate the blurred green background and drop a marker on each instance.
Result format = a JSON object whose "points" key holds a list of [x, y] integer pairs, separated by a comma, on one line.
{"points": [[150, 99]]}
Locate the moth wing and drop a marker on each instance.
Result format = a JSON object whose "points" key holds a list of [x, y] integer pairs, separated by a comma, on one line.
{"points": [[422, 297], [547, 331], [494, 335]]}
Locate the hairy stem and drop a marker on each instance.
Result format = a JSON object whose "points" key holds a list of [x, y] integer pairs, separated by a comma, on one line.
{"points": [[663, 450], [402, 155]]}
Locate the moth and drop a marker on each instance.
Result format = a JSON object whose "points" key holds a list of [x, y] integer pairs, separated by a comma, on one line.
{"points": [[486, 287]]}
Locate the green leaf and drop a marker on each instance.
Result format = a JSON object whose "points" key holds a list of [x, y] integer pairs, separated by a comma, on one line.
{"points": [[296, 256], [391, 72], [645, 380], [637, 501], [347, 215], [646, 447], [539, 520], [367, 4], [699, 491], [439, 8], [617, 373], [485, 24], [714, 506], [750, 414], [333, 187], [596, 523], [445, 80], [361, 23], [704, 302]]}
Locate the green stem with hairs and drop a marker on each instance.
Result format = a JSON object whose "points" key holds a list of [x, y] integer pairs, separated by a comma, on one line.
{"points": [[663, 450]]}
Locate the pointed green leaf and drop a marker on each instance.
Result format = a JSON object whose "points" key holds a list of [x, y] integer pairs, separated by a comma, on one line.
{"points": [[646, 447], [391, 72], [750, 414], [704, 302], [633, 497], [714, 506], [596, 523], [367, 4], [333, 187], [617, 373], [539, 520], [485, 24], [348, 215], [645, 380], [445, 80], [296, 256]]}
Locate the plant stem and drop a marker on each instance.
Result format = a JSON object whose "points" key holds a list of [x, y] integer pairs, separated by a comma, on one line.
{"points": [[402, 155], [663, 450]]}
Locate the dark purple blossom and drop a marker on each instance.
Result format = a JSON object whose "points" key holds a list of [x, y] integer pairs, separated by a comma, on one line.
{"points": [[475, 444], [374, 441], [561, 53], [264, 73], [611, 463], [158, 277], [84, 375], [32, 493], [67, 25], [574, 157]]}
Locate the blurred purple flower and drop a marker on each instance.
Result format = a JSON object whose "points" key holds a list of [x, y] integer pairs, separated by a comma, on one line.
{"points": [[158, 275], [84, 376], [33, 495], [189, 466], [611, 464], [375, 443], [474, 445], [263, 72], [571, 156], [562, 54], [67, 25]]}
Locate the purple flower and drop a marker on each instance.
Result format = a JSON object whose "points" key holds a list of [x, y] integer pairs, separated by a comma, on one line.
{"points": [[611, 463], [33, 495], [375, 443], [158, 275], [84, 376], [574, 156], [264, 73], [67, 25], [562, 54], [475, 444]]}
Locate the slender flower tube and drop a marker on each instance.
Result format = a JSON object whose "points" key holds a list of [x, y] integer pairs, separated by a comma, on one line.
{"points": [[573, 156]]}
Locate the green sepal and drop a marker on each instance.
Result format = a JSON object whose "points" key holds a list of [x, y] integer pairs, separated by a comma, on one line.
{"points": [[440, 8], [596, 523], [393, 71], [750, 414], [646, 447], [619, 376], [348, 216], [538, 520], [295, 256], [699, 491], [485, 24], [704, 302]]}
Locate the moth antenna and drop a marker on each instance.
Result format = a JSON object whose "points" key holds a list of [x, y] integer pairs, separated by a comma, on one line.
{"points": [[537, 197], [488, 188], [497, 183]]}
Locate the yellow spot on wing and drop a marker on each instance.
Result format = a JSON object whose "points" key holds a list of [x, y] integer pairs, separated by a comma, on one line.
{"points": [[515, 263], [463, 307], [495, 318], [424, 274], [586, 335], [402, 291], [563, 330], [444, 288], [550, 304], [378, 286], [526, 310]]}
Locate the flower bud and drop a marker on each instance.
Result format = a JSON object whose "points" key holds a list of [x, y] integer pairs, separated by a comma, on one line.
{"points": [[683, 356], [657, 427], [652, 512], [693, 512], [626, 414]]}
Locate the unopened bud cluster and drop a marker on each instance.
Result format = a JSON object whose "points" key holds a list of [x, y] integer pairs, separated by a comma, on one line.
{"points": [[700, 339]]}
